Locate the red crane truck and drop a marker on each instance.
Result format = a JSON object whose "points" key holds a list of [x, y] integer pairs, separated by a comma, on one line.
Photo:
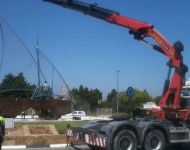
{"points": [[171, 122]]}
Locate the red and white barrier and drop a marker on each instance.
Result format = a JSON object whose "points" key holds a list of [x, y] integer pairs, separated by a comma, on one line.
{"points": [[73, 134], [69, 132], [91, 138], [95, 141]]}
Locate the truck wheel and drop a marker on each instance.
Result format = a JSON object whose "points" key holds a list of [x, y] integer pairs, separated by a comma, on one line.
{"points": [[154, 140], [125, 140]]}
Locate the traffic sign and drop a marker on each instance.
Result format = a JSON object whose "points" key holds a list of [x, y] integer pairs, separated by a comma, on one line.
{"points": [[130, 91]]}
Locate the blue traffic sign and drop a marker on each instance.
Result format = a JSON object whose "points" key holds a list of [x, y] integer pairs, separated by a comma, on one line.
{"points": [[130, 91]]}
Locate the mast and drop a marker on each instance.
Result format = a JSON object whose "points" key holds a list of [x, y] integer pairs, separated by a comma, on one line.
{"points": [[38, 61]]}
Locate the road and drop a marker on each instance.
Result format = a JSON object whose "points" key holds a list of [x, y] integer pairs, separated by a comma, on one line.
{"points": [[83, 147]]}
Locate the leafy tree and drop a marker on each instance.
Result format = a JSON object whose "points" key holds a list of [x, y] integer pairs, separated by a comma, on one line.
{"points": [[15, 85], [111, 99], [105, 104], [112, 96], [80, 96], [95, 96], [123, 101], [157, 99], [86, 99], [139, 98]]}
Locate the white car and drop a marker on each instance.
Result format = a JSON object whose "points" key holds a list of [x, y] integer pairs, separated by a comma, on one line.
{"points": [[77, 114]]}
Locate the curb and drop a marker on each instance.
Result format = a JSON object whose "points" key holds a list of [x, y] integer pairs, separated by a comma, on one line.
{"points": [[14, 147], [7, 147]]}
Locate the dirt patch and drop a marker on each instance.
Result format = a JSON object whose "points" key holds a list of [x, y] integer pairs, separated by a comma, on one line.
{"points": [[34, 134], [42, 129]]}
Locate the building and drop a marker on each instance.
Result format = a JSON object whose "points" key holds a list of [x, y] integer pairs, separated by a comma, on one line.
{"points": [[150, 105]]}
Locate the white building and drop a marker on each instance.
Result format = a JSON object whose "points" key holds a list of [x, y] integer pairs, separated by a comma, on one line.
{"points": [[150, 105], [186, 89]]}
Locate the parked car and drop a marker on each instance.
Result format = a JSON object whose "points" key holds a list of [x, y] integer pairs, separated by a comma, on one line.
{"points": [[77, 114]]}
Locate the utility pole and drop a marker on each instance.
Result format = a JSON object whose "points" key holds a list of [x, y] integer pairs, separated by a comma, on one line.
{"points": [[117, 91]]}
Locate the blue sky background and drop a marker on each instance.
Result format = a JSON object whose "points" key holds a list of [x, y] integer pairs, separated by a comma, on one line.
{"points": [[89, 51]]}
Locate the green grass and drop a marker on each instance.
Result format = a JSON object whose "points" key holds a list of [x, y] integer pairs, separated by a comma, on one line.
{"points": [[59, 125]]}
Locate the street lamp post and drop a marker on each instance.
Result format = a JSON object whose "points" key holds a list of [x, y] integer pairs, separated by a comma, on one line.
{"points": [[117, 91]]}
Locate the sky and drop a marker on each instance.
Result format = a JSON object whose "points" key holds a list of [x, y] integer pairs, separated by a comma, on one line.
{"points": [[88, 51]]}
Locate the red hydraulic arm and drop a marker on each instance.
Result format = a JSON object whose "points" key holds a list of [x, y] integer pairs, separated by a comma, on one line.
{"points": [[171, 99]]}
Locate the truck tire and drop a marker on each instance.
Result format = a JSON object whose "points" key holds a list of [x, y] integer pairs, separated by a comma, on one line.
{"points": [[154, 140], [125, 140]]}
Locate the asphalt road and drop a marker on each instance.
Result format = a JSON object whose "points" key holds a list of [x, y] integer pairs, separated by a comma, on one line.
{"points": [[84, 147]]}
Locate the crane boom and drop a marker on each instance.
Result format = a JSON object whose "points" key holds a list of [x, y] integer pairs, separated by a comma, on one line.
{"points": [[171, 99]]}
